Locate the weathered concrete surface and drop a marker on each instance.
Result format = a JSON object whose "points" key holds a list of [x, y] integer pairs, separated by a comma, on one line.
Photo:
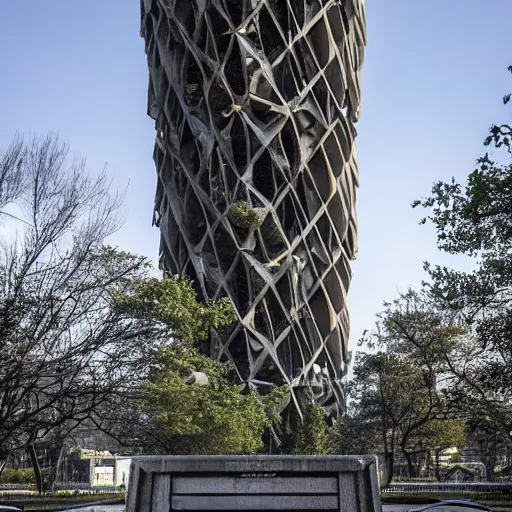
{"points": [[162, 484]]}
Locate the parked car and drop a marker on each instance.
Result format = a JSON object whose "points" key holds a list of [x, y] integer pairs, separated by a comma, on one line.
{"points": [[8, 508], [452, 506]]}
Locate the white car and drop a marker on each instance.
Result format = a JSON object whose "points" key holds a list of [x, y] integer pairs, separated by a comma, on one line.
{"points": [[452, 506]]}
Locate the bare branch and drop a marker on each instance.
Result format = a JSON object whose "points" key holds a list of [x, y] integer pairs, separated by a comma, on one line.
{"points": [[12, 178]]}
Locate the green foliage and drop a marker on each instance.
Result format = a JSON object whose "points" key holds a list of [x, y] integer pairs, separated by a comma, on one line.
{"points": [[456, 458], [173, 303], [398, 394], [217, 418], [353, 435], [440, 434], [193, 93], [76, 453], [17, 476], [243, 216], [504, 471], [389, 392], [312, 435], [453, 467], [475, 219]]}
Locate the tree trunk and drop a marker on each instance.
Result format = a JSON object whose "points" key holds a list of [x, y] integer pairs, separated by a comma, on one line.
{"points": [[35, 466], [438, 471], [489, 470], [51, 480], [388, 473], [4, 457], [428, 463], [410, 464], [389, 460]]}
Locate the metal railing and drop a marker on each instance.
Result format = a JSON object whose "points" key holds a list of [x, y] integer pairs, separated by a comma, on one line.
{"points": [[478, 491], [427, 487]]}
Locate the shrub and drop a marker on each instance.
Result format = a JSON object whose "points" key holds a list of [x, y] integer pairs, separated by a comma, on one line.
{"points": [[17, 476], [243, 216]]}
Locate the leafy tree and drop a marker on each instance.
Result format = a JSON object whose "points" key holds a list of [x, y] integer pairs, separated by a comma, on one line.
{"points": [[398, 388], [490, 440], [476, 220], [214, 418], [172, 303], [172, 414], [353, 435], [186, 402], [414, 328], [438, 435], [391, 410], [312, 435], [427, 338], [391, 398]]}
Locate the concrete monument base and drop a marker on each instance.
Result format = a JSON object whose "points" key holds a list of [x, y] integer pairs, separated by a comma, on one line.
{"points": [[272, 483]]}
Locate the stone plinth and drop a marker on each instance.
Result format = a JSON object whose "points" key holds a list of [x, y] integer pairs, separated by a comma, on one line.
{"points": [[162, 484]]}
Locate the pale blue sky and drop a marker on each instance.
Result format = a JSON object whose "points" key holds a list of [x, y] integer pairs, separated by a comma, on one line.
{"points": [[434, 75]]}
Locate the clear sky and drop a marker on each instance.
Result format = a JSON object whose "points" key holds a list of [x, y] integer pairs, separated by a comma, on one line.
{"points": [[434, 76]]}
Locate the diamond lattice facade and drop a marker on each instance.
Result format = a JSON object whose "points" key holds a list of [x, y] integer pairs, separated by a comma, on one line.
{"points": [[254, 103]]}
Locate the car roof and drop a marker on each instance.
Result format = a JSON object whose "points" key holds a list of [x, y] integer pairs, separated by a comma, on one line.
{"points": [[478, 506]]}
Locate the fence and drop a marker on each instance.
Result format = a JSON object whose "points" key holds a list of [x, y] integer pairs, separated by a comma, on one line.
{"points": [[481, 491], [20, 492], [64, 486]]}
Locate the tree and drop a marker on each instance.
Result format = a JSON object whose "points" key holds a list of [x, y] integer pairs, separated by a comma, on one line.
{"points": [[172, 305], [12, 175], [438, 435], [214, 418], [52, 452], [426, 338], [475, 220], [187, 403], [489, 440], [354, 435], [65, 348], [390, 397], [398, 388], [312, 435], [391, 410]]}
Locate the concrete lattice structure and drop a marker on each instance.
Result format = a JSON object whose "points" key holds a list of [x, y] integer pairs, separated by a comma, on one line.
{"points": [[254, 103]]}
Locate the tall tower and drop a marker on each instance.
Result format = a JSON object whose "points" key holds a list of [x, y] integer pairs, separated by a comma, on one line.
{"points": [[254, 103]]}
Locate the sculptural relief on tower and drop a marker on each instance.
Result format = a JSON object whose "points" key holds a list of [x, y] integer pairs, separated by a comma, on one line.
{"points": [[254, 103]]}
